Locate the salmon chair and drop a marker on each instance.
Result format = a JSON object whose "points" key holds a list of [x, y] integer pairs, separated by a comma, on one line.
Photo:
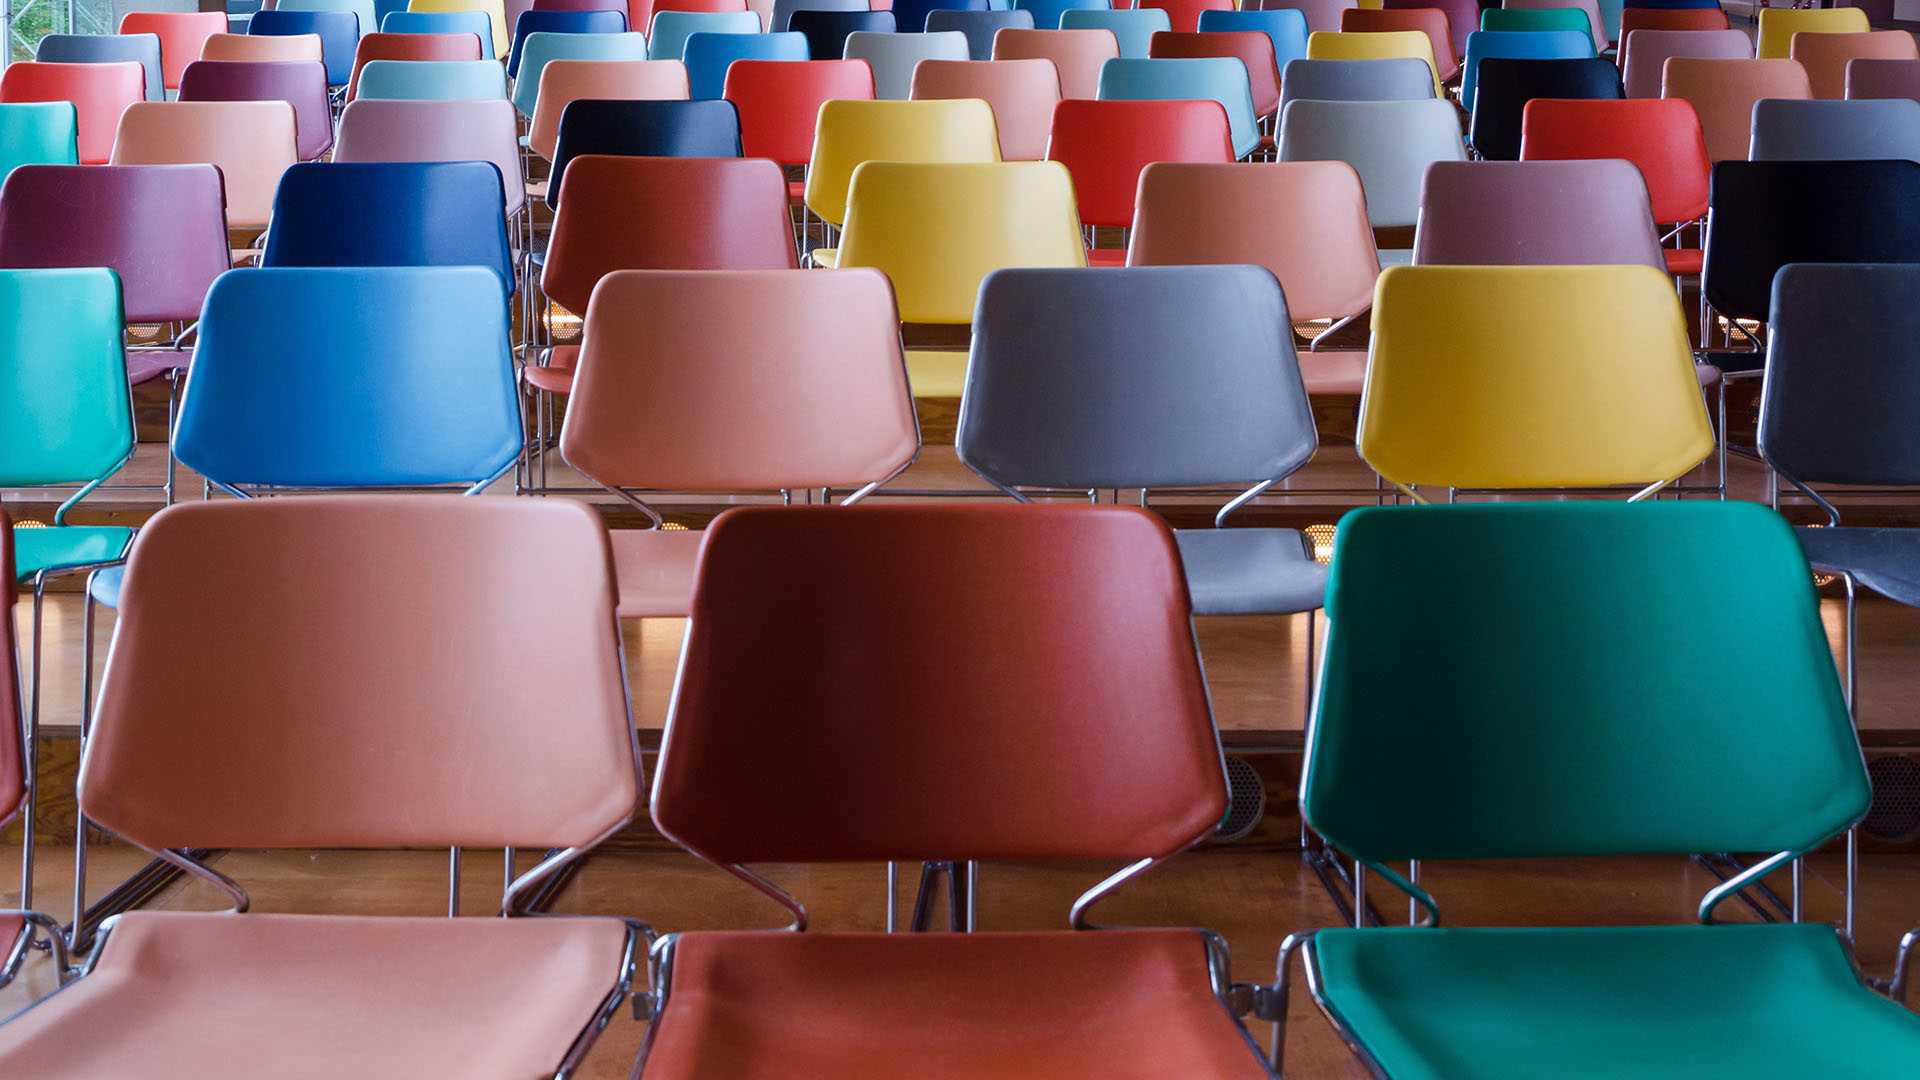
{"points": [[252, 142], [563, 82], [934, 690], [14, 777], [99, 93], [1023, 94], [487, 715], [182, 35], [809, 393]]}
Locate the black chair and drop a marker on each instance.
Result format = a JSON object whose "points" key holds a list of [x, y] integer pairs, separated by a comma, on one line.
{"points": [[827, 31], [1505, 86], [979, 26], [910, 16], [707, 128]]}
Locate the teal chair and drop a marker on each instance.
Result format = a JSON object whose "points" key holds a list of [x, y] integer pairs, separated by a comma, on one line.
{"points": [[708, 56], [1538, 20], [667, 39], [1570, 680], [539, 49], [38, 133], [362, 9], [1221, 79], [1133, 28], [433, 80], [1286, 26], [1047, 13], [441, 22]]}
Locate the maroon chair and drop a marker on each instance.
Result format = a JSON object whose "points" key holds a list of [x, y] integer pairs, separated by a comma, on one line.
{"points": [[302, 85], [1463, 18]]}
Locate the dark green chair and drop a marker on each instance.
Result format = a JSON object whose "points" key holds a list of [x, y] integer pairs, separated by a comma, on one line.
{"points": [[1583, 679]]}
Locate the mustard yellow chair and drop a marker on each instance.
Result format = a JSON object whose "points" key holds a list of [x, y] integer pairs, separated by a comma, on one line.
{"points": [[850, 132], [1382, 45], [1530, 377], [936, 230], [496, 14], [1778, 25]]}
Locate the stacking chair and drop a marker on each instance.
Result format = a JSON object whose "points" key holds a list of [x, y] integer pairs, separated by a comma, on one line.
{"points": [[501, 35], [99, 93], [1644, 54], [852, 132], [1733, 668], [1252, 48], [1389, 143], [338, 31], [1078, 55], [667, 40], [1826, 56], [709, 56], [437, 131], [1779, 25], [910, 16], [1286, 29], [1026, 749], [142, 49], [563, 82], [1323, 16], [1381, 46], [376, 744], [1722, 93], [432, 80], [1536, 213], [1429, 21], [559, 22], [410, 47], [301, 85], [37, 133], [643, 11], [1603, 35], [1220, 79], [584, 5], [1477, 408], [264, 48], [1517, 45], [893, 57], [779, 103], [979, 26], [678, 129], [442, 22], [252, 142], [365, 12], [1868, 79], [1105, 144], [1463, 18], [810, 393], [1539, 20], [781, 16], [1635, 18], [1022, 93], [1507, 86], [1186, 13], [1401, 79], [16, 935], [181, 34], [1048, 13], [1788, 130], [1132, 28]]}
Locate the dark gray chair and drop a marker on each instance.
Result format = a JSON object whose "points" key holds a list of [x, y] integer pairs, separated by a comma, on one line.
{"points": [[142, 49], [1403, 78], [1150, 377], [1868, 130], [979, 26]]}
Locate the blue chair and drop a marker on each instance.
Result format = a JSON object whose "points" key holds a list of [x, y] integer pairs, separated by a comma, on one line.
{"points": [[827, 31], [1221, 79], [142, 49], [702, 129], [1286, 26], [364, 11], [910, 16], [560, 22], [979, 26], [339, 33], [543, 48], [1518, 45], [1133, 28], [667, 38], [441, 22], [38, 133], [709, 55], [783, 10], [432, 80], [1046, 13]]}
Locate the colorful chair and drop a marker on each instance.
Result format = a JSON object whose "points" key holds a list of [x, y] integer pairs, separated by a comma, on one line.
{"points": [[437, 131], [301, 85], [1389, 143], [1220, 79], [1826, 56], [1779, 25], [559, 22], [1402, 79], [710, 56], [1105, 144], [432, 80], [1429, 21], [365, 12], [1507, 87], [1252, 48], [1022, 94], [478, 23], [391, 214], [410, 47], [495, 11], [1047, 13], [852, 132], [563, 82], [1787, 130], [1539, 20], [676, 129], [265, 48], [1186, 14], [779, 103], [1078, 55], [15, 778], [910, 16], [781, 15], [99, 93], [1287, 29], [1536, 213], [142, 49], [979, 26], [338, 31], [37, 133], [1722, 93], [1132, 28], [1463, 18], [1381, 46], [1597, 26], [1323, 16], [1644, 54], [1517, 45], [667, 39], [1868, 79], [252, 142], [894, 56], [182, 34], [1641, 18]]}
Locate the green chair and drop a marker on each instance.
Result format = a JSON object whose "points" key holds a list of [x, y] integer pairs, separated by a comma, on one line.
{"points": [[1537, 20], [38, 133], [1560, 680]]}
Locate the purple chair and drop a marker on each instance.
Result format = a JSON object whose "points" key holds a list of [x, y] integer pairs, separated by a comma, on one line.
{"points": [[302, 85], [1536, 213], [1883, 79], [1463, 18]]}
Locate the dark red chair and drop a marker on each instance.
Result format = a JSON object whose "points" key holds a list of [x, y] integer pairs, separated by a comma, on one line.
{"points": [[1105, 144], [1184, 15], [302, 85], [1635, 18], [1251, 47], [411, 47]]}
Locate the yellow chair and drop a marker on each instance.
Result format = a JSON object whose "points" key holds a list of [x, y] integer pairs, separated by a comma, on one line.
{"points": [[1517, 377], [1382, 45], [1778, 25], [496, 14], [936, 230], [850, 132]]}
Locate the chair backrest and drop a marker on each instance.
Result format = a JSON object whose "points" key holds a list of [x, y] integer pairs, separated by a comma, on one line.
{"points": [[779, 102], [1132, 28], [374, 739], [1826, 56], [437, 131], [411, 47], [1399, 79], [938, 229], [1728, 663], [1536, 213], [810, 392], [13, 771], [1614, 400], [495, 11], [1306, 222], [667, 39], [302, 85], [181, 35], [252, 142], [1596, 23], [1078, 766], [851, 132], [1870, 79], [1507, 86], [1644, 54], [783, 11], [1105, 144], [893, 57], [1220, 79], [391, 214], [1722, 93], [1788, 130], [1537, 20], [1047, 13], [1660, 137], [1322, 45], [585, 5], [37, 133], [99, 93], [910, 16], [264, 48], [648, 128], [559, 22], [1136, 377], [708, 56], [1078, 55], [1766, 214], [1779, 25], [1022, 93], [66, 415], [563, 82], [1252, 48], [1463, 18], [142, 49], [699, 214], [1429, 21], [443, 22], [338, 31], [980, 26], [433, 80], [1389, 143], [1287, 30], [643, 11], [1641, 18], [1186, 13], [365, 12], [1517, 45], [161, 228]]}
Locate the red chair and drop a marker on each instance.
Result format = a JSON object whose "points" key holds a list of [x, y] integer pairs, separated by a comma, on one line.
{"points": [[1463, 18], [1105, 144], [14, 936], [411, 47], [99, 93], [1251, 47], [1185, 14], [779, 102], [1659, 135], [183, 34], [1634, 18], [1430, 21]]}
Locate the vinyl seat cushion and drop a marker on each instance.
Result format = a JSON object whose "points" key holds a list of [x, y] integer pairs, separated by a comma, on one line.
{"points": [[1884, 560], [65, 546], [653, 569], [1250, 571]]}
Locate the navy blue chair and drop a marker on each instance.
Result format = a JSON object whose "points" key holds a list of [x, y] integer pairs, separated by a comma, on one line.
{"points": [[688, 129], [339, 33], [827, 31], [910, 16], [709, 55], [979, 26], [560, 22]]}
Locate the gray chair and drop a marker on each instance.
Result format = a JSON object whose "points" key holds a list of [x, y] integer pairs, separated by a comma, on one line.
{"points": [[783, 9], [142, 49], [1867, 78], [1536, 213], [1877, 130], [979, 26], [1403, 78], [1150, 377], [1389, 143]]}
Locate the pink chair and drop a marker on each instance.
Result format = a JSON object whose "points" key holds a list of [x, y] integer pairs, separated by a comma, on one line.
{"points": [[1644, 54], [301, 85], [99, 93], [1077, 55], [1023, 94], [252, 142], [1826, 56]]}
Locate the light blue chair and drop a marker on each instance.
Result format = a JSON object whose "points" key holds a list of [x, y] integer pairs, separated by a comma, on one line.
{"points": [[362, 10], [1518, 45], [1221, 79], [1286, 26], [559, 22], [1046, 13], [441, 22], [142, 49], [433, 80], [38, 133], [979, 26], [543, 48], [709, 55], [667, 39], [1133, 28]]}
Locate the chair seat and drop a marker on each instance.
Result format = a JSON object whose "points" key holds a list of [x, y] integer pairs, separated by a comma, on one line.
{"points": [[936, 373], [145, 365], [1884, 560], [1118, 1004], [653, 569], [796, 190], [1334, 371], [1395, 257], [65, 547], [187, 995], [1106, 256], [1250, 571], [1684, 260], [537, 189], [1755, 1000], [105, 589], [826, 258], [556, 376]]}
